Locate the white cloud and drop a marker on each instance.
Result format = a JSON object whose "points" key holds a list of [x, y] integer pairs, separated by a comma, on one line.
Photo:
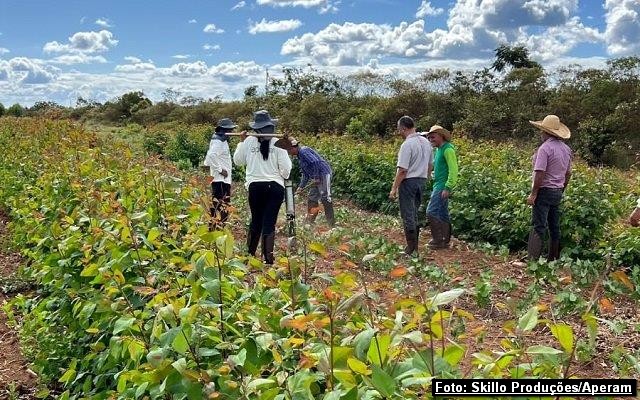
{"points": [[474, 29], [132, 59], [323, 5], [352, 44], [135, 65], [103, 22], [82, 20], [211, 28], [186, 70], [4, 70], [4, 51], [265, 26], [211, 47], [236, 71], [426, 9], [240, 4], [193, 21], [70, 59], [623, 27], [181, 56], [84, 42], [29, 71], [559, 40]]}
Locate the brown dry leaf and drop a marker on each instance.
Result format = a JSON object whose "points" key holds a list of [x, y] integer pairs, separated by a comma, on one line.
{"points": [[457, 279], [542, 307], [350, 264], [344, 247], [565, 279], [398, 272], [606, 305], [621, 277]]}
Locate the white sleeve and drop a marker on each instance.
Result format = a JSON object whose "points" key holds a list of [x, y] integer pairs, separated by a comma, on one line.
{"points": [[284, 163], [240, 155]]}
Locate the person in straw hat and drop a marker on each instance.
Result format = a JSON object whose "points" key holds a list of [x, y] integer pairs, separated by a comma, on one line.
{"points": [[316, 169], [412, 172], [551, 173], [267, 168], [218, 159], [445, 178]]}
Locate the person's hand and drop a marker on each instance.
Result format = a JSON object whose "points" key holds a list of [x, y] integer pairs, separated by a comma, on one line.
{"points": [[531, 200], [243, 136], [393, 194], [224, 173], [445, 194]]}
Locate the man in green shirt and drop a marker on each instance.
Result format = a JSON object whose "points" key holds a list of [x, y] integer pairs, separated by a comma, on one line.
{"points": [[445, 166]]}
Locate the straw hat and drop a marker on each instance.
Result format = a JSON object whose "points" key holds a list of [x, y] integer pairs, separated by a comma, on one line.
{"points": [[551, 124], [446, 135]]}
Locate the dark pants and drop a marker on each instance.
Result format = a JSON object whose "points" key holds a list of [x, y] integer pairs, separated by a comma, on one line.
{"points": [[221, 200], [410, 197], [265, 199], [546, 213]]}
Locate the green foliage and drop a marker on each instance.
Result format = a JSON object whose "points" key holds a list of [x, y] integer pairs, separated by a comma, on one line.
{"points": [[136, 298], [15, 110]]}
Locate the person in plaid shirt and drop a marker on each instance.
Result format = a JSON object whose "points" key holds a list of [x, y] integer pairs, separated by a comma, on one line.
{"points": [[316, 169]]}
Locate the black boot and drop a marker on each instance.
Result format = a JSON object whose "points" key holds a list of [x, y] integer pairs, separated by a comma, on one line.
{"points": [[446, 233], [412, 241], [329, 214], [253, 238], [268, 242], [534, 246], [437, 237], [554, 250]]}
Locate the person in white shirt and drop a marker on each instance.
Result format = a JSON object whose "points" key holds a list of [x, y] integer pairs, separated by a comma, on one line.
{"points": [[267, 168], [218, 159]]}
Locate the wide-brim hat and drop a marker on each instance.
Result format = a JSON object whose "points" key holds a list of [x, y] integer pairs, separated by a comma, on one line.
{"points": [[286, 142], [551, 124], [261, 119], [225, 123], [446, 135]]}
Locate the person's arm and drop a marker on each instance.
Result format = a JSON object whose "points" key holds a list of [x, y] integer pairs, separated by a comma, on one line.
{"points": [[452, 165], [539, 171], [567, 176], [304, 166], [401, 174], [284, 162], [240, 155], [213, 156]]}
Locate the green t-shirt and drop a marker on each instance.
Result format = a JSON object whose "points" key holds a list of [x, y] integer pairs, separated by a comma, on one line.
{"points": [[445, 165]]}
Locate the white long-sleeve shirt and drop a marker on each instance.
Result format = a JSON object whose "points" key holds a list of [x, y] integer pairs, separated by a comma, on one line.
{"points": [[276, 168], [218, 158]]}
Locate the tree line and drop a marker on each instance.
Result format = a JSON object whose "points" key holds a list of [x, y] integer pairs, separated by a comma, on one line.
{"points": [[600, 105]]}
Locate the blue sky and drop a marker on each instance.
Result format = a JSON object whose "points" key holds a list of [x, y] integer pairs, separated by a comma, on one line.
{"points": [[61, 50]]}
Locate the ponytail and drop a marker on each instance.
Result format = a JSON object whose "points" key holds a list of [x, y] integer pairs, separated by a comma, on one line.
{"points": [[264, 148]]}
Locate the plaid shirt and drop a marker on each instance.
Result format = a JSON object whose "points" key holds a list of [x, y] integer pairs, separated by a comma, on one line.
{"points": [[312, 165]]}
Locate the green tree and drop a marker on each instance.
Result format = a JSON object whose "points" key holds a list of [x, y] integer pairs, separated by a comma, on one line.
{"points": [[15, 110], [513, 56], [2, 110]]}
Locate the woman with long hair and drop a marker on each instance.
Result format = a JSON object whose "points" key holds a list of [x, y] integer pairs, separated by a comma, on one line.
{"points": [[267, 168]]}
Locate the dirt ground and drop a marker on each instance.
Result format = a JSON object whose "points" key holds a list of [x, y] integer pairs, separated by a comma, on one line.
{"points": [[16, 379]]}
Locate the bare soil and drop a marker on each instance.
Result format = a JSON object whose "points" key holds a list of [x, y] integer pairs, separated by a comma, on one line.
{"points": [[16, 379]]}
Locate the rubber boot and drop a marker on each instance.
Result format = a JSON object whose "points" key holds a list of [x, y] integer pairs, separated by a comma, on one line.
{"points": [[412, 242], [446, 233], [329, 214], [268, 242], [253, 238], [554, 250], [534, 246], [437, 237]]}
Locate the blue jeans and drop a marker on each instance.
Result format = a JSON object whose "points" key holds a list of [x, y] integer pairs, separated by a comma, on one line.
{"points": [[438, 207]]}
